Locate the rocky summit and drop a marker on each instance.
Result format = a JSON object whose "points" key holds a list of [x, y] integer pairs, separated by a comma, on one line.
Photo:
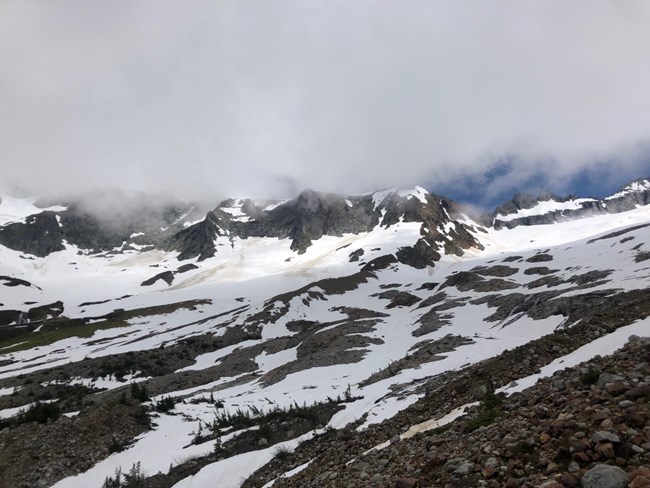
{"points": [[390, 339]]}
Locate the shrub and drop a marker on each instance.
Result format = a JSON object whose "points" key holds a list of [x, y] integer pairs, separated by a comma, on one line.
{"points": [[218, 447], [40, 412], [133, 479], [210, 399], [165, 404], [139, 392], [590, 377], [115, 446], [141, 416], [282, 453], [265, 431], [242, 419], [200, 436], [489, 408]]}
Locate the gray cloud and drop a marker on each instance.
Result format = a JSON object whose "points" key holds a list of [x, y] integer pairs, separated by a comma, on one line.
{"points": [[262, 98]]}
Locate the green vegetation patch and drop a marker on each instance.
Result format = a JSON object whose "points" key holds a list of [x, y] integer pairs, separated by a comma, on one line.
{"points": [[63, 328]]}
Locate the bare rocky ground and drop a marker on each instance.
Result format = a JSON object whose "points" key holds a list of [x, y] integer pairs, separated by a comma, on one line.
{"points": [[337, 458], [35, 454], [551, 435], [39, 454]]}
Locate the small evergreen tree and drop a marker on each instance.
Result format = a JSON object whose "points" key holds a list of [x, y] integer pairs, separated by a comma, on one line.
{"points": [[488, 410], [139, 392]]}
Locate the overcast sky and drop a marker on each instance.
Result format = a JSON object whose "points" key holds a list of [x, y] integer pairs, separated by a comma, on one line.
{"points": [[265, 98]]}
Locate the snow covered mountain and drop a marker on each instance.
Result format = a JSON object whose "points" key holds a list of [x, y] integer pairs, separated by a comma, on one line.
{"points": [[202, 345]]}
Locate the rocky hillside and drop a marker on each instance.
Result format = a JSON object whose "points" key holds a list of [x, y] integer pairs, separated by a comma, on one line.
{"points": [[587, 425]]}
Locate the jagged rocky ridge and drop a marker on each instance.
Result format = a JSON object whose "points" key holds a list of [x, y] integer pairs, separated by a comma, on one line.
{"points": [[547, 208], [313, 215], [96, 223], [174, 225], [302, 220]]}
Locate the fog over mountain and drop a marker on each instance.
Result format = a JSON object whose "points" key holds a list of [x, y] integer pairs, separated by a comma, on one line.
{"points": [[268, 98], [324, 244]]}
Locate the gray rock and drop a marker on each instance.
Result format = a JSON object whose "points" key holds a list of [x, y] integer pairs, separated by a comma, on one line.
{"points": [[464, 469], [491, 462], [453, 463], [604, 476], [360, 466], [604, 436], [605, 378], [376, 478]]}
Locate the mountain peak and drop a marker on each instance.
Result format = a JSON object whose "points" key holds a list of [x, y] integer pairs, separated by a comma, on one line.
{"points": [[638, 186], [525, 201]]}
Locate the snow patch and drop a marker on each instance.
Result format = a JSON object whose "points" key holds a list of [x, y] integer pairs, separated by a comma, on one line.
{"points": [[543, 208]]}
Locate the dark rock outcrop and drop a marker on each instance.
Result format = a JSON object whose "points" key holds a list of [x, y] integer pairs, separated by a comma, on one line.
{"points": [[166, 276], [11, 282], [418, 256], [97, 223], [39, 235], [197, 241], [356, 255], [311, 216], [185, 268]]}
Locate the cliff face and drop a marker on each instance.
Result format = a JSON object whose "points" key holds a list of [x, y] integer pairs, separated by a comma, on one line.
{"points": [[311, 216], [39, 235]]}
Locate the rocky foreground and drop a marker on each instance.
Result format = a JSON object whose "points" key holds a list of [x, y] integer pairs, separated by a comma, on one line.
{"points": [[586, 426]]}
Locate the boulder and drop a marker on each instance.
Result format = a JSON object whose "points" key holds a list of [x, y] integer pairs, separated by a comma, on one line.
{"points": [[605, 378], [605, 476], [604, 436]]}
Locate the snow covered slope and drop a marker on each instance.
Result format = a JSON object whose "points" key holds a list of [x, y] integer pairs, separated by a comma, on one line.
{"points": [[355, 323]]}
